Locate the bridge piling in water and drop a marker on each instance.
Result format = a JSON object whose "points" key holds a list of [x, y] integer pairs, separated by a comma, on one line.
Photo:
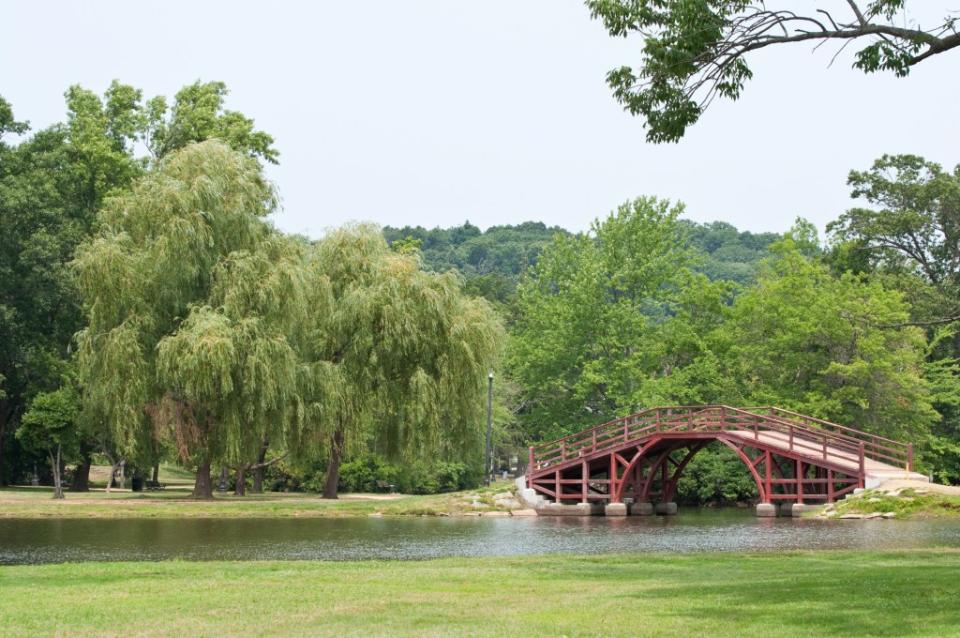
{"points": [[666, 509], [766, 510]]}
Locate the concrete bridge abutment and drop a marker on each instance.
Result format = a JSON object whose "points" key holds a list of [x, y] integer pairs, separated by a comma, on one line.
{"points": [[615, 509], [766, 510]]}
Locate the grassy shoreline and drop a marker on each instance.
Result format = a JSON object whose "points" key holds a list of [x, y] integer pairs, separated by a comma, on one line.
{"points": [[794, 594], [27, 502], [909, 500]]}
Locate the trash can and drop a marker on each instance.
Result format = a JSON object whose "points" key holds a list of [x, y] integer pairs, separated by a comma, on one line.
{"points": [[136, 483]]}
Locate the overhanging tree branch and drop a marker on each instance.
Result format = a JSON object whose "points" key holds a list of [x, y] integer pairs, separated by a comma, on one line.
{"points": [[697, 51]]}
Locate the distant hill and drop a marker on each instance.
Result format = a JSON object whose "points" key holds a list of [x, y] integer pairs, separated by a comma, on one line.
{"points": [[492, 261], [727, 252]]}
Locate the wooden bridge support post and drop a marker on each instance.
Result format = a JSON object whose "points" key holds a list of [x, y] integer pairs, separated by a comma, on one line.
{"points": [[799, 482], [530, 467], [863, 474], [768, 471], [585, 480], [612, 487]]}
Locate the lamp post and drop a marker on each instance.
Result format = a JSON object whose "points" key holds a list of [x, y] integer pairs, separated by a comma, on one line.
{"points": [[488, 461]]}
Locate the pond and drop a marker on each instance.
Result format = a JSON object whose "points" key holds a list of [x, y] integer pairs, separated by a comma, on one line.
{"points": [[61, 540]]}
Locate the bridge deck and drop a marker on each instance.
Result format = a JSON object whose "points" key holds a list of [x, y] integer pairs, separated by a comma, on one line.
{"points": [[835, 456]]}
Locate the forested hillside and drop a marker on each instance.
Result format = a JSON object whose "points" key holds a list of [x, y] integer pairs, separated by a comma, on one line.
{"points": [[728, 253], [492, 261]]}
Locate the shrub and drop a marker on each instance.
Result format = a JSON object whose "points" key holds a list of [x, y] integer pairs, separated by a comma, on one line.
{"points": [[716, 475], [283, 477], [367, 474], [370, 472]]}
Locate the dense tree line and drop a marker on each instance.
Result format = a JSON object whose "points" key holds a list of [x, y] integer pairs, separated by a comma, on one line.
{"points": [[149, 312], [493, 261]]}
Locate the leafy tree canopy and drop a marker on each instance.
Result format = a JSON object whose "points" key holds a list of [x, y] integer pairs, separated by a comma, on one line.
{"points": [[398, 355], [51, 420], [914, 222], [188, 294], [828, 346], [198, 114], [51, 186], [50, 427], [606, 320], [697, 50]]}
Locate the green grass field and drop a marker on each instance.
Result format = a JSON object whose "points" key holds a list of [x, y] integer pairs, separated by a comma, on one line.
{"points": [[795, 594]]}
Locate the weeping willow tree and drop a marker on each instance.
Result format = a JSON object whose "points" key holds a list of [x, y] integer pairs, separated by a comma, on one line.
{"points": [[394, 356], [190, 297]]}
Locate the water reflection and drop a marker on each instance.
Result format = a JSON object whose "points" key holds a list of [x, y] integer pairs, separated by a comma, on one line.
{"points": [[59, 540]]}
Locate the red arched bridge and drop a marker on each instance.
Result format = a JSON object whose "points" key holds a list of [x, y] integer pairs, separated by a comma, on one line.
{"points": [[638, 459]]}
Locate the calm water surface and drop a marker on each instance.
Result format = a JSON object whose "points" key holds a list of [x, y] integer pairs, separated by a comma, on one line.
{"points": [[46, 541]]}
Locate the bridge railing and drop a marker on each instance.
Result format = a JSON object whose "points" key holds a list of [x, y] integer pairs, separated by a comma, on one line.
{"points": [[877, 447], [801, 434]]}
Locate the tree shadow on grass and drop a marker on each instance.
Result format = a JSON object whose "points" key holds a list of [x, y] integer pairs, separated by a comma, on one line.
{"points": [[837, 595]]}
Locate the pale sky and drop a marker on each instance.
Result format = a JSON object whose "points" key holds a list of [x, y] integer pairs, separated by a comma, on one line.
{"points": [[497, 112]]}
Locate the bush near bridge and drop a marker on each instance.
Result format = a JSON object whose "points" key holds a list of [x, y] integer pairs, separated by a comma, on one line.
{"points": [[372, 473]]}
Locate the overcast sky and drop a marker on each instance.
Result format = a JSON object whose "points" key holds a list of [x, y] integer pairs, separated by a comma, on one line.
{"points": [[496, 112]]}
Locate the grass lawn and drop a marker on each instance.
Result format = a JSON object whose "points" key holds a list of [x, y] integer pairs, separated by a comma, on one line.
{"points": [[793, 594], [175, 502]]}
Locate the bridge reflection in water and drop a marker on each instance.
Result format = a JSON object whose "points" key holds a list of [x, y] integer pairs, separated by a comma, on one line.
{"points": [[632, 464]]}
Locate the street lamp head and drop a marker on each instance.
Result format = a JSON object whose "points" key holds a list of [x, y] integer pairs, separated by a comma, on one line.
{"points": [[490, 375]]}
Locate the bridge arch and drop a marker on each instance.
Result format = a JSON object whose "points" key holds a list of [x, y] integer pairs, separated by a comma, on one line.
{"points": [[619, 487], [694, 447], [761, 492]]}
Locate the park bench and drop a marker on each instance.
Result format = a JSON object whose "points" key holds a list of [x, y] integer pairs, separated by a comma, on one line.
{"points": [[154, 485]]}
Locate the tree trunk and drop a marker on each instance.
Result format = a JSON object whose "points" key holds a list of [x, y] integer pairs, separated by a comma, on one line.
{"points": [[5, 412], [203, 487], [260, 468], [81, 476], [241, 486], [156, 472], [333, 468], [57, 476]]}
